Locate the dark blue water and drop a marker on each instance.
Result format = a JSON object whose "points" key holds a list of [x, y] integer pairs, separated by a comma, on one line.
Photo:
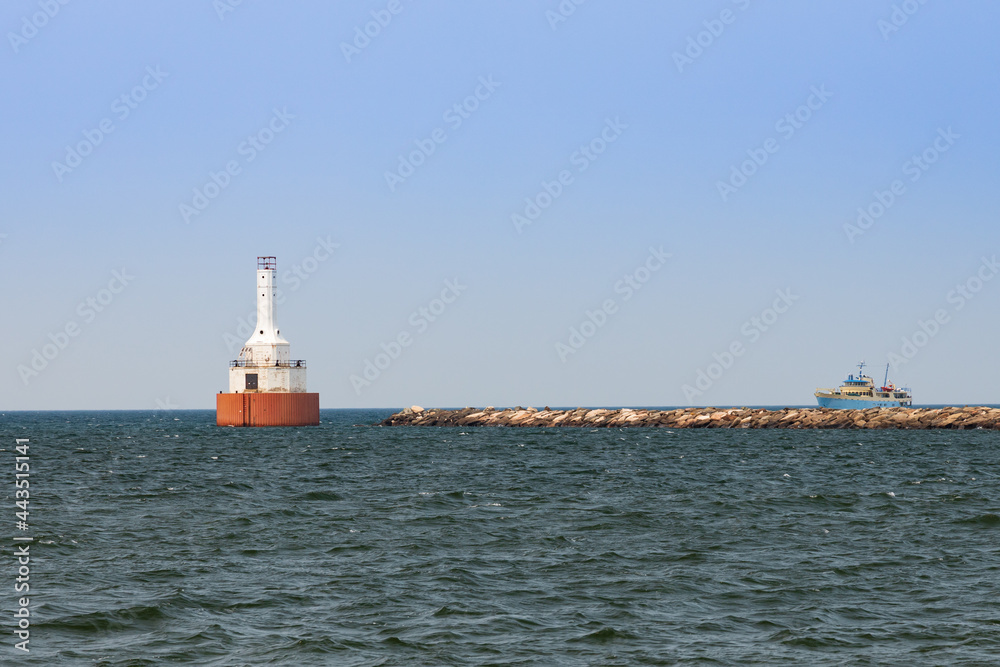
{"points": [[160, 538]]}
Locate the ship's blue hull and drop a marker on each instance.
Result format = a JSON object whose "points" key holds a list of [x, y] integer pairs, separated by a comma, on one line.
{"points": [[855, 404]]}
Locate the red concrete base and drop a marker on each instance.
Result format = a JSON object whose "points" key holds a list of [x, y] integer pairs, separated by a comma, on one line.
{"points": [[267, 409]]}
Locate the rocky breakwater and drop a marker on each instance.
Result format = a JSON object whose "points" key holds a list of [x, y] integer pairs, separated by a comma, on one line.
{"points": [[874, 418]]}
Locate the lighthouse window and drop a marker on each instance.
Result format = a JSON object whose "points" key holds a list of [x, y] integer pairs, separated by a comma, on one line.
{"points": [[262, 331]]}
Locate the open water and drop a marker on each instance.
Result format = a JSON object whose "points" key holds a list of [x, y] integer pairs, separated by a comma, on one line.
{"points": [[160, 538]]}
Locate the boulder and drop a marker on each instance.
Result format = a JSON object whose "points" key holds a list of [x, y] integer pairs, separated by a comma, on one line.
{"points": [[967, 417]]}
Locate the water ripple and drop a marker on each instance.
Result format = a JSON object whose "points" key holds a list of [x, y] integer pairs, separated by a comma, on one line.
{"points": [[352, 545]]}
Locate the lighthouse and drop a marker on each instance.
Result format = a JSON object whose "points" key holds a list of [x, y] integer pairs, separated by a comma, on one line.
{"points": [[266, 386]]}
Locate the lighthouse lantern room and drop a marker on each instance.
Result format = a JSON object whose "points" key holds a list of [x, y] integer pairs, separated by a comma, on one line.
{"points": [[266, 386]]}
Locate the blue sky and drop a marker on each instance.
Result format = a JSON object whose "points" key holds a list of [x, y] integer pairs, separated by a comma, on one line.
{"points": [[174, 142]]}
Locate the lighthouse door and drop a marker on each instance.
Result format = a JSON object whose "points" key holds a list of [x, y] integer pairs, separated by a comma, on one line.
{"points": [[251, 380]]}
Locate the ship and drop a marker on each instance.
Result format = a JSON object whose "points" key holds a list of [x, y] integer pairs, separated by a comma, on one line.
{"points": [[858, 392]]}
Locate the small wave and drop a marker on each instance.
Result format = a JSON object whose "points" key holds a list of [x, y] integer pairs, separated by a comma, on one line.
{"points": [[396, 641], [237, 485], [814, 642], [257, 552], [322, 495], [604, 635], [103, 621], [690, 557], [319, 645], [452, 611], [985, 520]]}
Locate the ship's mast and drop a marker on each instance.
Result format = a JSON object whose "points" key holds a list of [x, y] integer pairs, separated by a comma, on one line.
{"points": [[885, 383]]}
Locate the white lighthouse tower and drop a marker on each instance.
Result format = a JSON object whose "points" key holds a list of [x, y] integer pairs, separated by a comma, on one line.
{"points": [[266, 386]]}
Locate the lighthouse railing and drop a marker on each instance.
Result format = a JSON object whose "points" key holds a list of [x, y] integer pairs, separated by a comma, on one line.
{"points": [[293, 363]]}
